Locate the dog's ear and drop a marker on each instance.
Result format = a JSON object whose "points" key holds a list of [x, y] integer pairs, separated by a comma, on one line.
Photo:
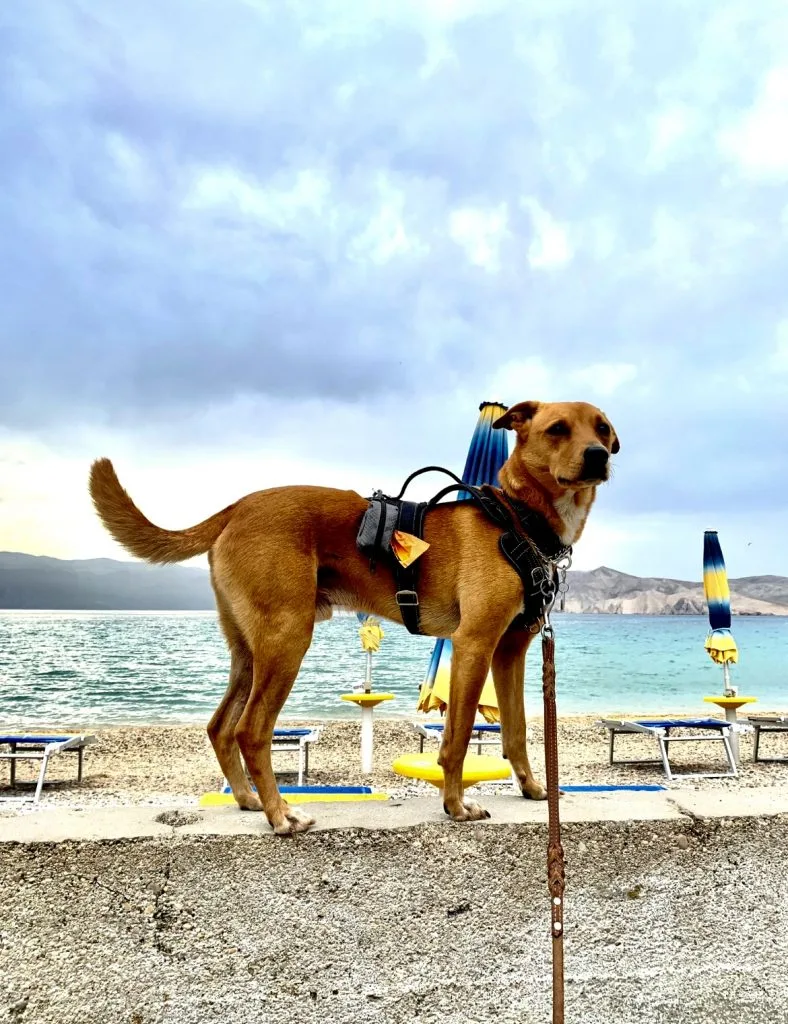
{"points": [[517, 415], [616, 447]]}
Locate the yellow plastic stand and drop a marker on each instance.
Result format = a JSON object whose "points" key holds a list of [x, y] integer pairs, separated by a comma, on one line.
{"points": [[730, 702], [475, 768], [730, 705], [366, 701], [369, 700]]}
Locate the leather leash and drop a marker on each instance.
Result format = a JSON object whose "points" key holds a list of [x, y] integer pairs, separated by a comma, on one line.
{"points": [[555, 851]]}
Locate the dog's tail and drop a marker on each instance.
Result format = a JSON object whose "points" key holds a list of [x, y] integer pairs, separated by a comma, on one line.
{"points": [[138, 535]]}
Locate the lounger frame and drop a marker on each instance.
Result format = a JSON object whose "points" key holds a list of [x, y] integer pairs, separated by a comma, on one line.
{"points": [[483, 735], [296, 740], [768, 724], [661, 732], [43, 749]]}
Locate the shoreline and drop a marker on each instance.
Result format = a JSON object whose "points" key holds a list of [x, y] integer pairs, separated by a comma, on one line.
{"points": [[175, 763], [389, 717]]}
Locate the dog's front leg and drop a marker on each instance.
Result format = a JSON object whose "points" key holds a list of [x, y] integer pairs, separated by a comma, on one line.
{"points": [[470, 664], [508, 666]]}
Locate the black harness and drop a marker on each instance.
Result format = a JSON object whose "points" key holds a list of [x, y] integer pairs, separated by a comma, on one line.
{"points": [[527, 542]]}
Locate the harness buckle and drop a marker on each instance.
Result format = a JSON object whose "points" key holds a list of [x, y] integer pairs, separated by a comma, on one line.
{"points": [[408, 598]]}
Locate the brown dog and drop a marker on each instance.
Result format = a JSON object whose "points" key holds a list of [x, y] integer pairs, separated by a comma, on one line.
{"points": [[281, 559]]}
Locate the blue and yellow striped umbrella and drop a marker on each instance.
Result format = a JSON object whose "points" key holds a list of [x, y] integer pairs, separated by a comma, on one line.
{"points": [[488, 451], [719, 643]]}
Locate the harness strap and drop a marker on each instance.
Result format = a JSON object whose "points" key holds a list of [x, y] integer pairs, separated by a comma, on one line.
{"points": [[528, 523], [527, 542], [411, 520]]}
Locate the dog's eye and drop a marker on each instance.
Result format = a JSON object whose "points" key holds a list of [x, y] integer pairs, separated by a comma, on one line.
{"points": [[603, 430], [559, 429]]}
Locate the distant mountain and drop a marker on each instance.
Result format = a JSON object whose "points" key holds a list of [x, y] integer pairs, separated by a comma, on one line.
{"points": [[612, 592], [31, 581]]}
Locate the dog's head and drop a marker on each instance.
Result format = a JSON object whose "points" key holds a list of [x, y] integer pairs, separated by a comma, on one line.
{"points": [[565, 446]]}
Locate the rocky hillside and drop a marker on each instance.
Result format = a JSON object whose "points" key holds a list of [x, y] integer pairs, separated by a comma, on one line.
{"points": [[606, 590], [28, 581], [55, 584]]}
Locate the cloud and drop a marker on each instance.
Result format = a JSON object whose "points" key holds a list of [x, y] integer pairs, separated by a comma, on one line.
{"points": [[296, 228], [757, 141], [550, 248]]}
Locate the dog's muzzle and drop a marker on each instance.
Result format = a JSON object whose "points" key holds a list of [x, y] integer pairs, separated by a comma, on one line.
{"points": [[595, 463]]}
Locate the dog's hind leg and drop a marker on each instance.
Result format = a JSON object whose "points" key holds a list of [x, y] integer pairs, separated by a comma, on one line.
{"points": [[221, 728], [277, 656], [508, 667]]}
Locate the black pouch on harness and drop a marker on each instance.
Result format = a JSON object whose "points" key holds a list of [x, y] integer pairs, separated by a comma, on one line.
{"points": [[377, 525]]}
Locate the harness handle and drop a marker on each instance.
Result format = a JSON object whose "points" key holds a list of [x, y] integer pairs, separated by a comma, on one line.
{"points": [[473, 491], [431, 469]]}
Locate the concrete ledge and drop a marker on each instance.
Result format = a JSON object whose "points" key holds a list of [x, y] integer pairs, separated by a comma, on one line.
{"points": [[58, 824], [736, 803]]}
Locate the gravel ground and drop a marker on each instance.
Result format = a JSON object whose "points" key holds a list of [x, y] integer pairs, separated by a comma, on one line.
{"points": [[666, 922], [159, 764]]}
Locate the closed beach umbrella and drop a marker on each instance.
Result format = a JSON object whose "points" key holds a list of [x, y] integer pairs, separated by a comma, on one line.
{"points": [[488, 451], [435, 688], [370, 634], [719, 642]]}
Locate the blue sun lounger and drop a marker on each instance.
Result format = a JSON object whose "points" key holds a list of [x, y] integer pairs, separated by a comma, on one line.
{"points": [[43, 749], [699, 730], [297, 740], [483, 734]]}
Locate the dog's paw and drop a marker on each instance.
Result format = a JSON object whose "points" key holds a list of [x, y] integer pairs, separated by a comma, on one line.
{"points": [[533, 790], [249, 802], [295, 821], [468, 810]]}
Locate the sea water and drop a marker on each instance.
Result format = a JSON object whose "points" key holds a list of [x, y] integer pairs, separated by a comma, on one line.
{"points": [[127, 667]]}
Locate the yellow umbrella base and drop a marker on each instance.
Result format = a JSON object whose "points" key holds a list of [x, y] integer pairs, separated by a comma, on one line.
{"points": [[730, 702], [475, 768], [369, 700]]}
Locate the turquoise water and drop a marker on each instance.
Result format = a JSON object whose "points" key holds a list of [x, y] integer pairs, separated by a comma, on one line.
{"points": [[103, 667]]}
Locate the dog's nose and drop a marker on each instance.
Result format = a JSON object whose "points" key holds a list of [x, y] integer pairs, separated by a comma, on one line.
{"points": [[595, 460]]}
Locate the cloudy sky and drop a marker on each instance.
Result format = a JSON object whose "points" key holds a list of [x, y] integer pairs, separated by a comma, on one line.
{"points": [[245, 243]]}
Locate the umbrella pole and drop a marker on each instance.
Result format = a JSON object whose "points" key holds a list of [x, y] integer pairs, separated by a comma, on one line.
{"points": [[728, 688], [730, 712], [366, 739], [366, 722]]}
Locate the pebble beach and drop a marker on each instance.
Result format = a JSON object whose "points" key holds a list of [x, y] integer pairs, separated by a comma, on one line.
{"points": [[435, 922], [175, 763]]}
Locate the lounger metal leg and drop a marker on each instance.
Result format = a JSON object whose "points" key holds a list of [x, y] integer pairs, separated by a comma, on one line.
{"points": [[776, 731], [13, 766], [612, 741], [729, 752], [41, 774], [661, 740], [80, 752]]}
